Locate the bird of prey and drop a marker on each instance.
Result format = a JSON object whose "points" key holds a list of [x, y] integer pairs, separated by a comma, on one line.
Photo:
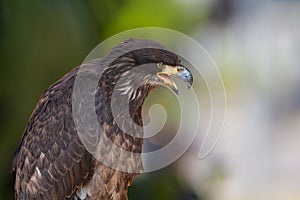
{"points": [[51, 160]]}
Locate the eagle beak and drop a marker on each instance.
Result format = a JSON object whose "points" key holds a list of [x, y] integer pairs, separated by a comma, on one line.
{"points": [[179, 71]]}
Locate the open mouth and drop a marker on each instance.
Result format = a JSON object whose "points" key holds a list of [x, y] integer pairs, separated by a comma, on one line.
{"points": [[178, 71], [166, 79]]}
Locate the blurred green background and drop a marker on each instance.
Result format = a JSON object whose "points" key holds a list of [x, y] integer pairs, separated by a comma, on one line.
{"points": [[255, 44]]}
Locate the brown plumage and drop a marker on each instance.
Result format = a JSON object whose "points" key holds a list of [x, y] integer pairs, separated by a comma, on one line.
{"points": [[51, 162]]}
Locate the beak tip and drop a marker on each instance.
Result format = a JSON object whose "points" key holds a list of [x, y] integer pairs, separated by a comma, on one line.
{"points": [[186, 76], [175, 90]]}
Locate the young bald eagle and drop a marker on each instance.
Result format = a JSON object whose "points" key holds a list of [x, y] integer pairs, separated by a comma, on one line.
{"points": [[51, 161]]}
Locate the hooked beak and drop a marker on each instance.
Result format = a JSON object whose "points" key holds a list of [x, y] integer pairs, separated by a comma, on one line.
{"points": [[179, 71]]}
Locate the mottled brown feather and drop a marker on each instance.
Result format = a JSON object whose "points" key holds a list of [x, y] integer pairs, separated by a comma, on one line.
{"points": [[50, 133]]}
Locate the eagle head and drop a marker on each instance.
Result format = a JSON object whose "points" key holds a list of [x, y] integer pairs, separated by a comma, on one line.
{"points": [[148, 63], [135, 68]]}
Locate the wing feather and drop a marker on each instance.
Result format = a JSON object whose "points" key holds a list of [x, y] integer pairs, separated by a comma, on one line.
{"points": [[51, 162]]}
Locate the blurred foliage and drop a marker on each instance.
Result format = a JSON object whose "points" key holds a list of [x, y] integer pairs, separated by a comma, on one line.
{"points": [[42, 40], [162, 184]]}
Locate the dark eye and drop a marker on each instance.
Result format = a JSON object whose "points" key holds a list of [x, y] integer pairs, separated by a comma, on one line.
{"points": [[159, 65]]}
